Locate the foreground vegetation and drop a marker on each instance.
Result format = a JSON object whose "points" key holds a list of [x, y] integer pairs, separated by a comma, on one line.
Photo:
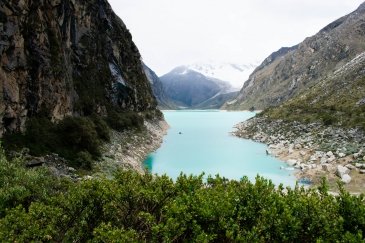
{"points": [[338, 104], [34, 206], [77, 139]]}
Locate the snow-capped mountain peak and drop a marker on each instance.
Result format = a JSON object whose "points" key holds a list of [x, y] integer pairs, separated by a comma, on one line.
{"points": [[235, 74]]}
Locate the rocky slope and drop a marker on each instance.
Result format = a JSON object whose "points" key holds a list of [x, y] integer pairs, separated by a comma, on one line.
{"points": [[190, 89], [158, 90], [313, 149], [291, 71], [66, 57]]}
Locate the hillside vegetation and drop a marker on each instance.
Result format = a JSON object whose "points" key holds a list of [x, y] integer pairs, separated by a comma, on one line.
{"points": [[337, 100], [34, 206]]}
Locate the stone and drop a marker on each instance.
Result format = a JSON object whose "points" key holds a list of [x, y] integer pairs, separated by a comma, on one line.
{"points": [[329, 154], [346, 179], [331, 159], [356, 155], [272, 146], [326, 167], [35, 162], [341, 171], [360, 166], [323, 160], [298, 146], [313, 158], [302, 153], [292, 162], [350, 166], [71, 169], [362, 171], [341, 155]]}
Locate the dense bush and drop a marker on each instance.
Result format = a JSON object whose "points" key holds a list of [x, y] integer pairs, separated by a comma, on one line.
{"points": [[135, 208], [78, 139], [121, 121]]}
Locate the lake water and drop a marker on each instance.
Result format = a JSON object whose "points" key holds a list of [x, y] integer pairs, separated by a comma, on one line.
{"points": [[206, 145]]}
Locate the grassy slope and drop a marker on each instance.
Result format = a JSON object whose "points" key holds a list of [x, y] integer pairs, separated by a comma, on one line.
{"points": [[332, 100]]}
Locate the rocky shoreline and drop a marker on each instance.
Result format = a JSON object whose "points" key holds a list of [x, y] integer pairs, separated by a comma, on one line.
{"points": [[313, 150], [128, 149], [125, 150]]}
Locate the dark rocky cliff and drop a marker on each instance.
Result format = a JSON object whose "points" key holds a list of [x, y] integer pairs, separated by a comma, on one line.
{"points": [[290, 71], [67, 57]]}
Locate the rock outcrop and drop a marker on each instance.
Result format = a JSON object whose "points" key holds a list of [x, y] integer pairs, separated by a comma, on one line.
{"points": [[158, 89], [292, 71], [66, 57]]}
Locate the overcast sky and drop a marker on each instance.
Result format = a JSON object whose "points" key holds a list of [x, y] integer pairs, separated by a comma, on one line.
{"points": [[169, 33]]}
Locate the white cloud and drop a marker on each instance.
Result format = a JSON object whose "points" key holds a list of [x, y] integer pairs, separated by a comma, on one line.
{"points": [[170, 33]]}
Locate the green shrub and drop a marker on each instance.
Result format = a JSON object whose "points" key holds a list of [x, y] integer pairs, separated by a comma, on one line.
{"points": [[121, 121], [77, 139], [83, 160], [328, 119], [101, 128], [35, 207], [79, 134]]}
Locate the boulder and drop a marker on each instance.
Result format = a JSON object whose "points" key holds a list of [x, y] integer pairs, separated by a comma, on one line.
{"points": [[35, 162], [313, 158], [292, 162], [362, 171], [272, 146], [356, 155], [350, 166], [329, 154], [341, 155], [323, 160], [331, 159], [341, 171], [346, 179], [360, 166]]}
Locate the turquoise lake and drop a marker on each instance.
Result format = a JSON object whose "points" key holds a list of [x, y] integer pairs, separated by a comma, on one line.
{"points": [[206, 145]]}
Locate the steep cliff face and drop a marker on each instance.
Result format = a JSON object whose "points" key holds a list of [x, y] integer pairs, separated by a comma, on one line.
{"points": [[158, 89], [286, 73], [66, 57]]}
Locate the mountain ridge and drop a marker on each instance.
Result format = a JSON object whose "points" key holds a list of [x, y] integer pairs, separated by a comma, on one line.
{"points": [[188, 88], [295, 69]]}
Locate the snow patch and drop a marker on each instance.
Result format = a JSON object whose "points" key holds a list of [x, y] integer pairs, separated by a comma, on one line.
{"points": [[235, 74]]}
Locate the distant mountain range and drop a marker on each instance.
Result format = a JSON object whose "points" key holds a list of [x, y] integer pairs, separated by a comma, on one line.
{"points": [[188, 88], [322, 78]]}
